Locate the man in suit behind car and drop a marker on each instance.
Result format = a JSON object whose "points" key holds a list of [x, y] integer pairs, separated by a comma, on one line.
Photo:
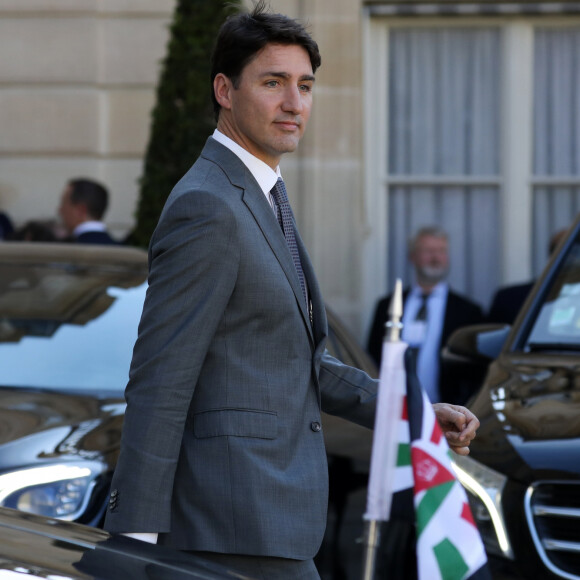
{"points": [[82, 207], [432, 312], [508, 300]]}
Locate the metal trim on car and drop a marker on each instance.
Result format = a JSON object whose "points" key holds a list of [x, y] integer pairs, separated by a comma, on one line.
{"points": [[543, 544]]}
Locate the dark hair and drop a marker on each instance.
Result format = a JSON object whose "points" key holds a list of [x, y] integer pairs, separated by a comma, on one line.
{"points": [[243, 35], [92, 194]]}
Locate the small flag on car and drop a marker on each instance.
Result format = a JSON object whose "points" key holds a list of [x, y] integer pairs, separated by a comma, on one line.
{"points": [[411, 455]]}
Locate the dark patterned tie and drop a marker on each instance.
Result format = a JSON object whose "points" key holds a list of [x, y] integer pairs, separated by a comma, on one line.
{"points": [[422, 312], [286, 220]]}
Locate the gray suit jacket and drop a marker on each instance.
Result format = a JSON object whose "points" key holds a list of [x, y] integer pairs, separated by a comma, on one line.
{"points": [[222, 448]]}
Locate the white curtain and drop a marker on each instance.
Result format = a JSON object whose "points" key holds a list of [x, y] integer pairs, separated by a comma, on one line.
{"points": [[444, 120], [556, 135]]}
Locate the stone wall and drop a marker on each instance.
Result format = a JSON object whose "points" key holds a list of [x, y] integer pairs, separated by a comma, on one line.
{"points": [[77, 82]]}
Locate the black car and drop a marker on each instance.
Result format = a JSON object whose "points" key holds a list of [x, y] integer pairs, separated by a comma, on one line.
{"points": [[35, 547], [68, 321], [523, 473]]}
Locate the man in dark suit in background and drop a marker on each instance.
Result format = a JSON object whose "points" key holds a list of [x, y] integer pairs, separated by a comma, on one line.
{"points": [[82, 207], [222, 451], [432, 312], [6, 227], [508, 301]]}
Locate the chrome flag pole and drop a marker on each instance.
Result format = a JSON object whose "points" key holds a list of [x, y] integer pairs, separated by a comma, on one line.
{"points": [[385, 439], [394, 326]]}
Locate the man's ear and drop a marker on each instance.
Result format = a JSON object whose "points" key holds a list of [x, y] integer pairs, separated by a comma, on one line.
{"points": [[82, 211], [222, 88]]}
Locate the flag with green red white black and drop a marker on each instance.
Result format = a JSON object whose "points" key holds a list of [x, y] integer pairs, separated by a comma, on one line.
{"points": [[411, 478], [448, 546]]}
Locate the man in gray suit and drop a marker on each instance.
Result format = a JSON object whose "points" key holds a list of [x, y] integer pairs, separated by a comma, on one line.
{"points": [[222, 451]]}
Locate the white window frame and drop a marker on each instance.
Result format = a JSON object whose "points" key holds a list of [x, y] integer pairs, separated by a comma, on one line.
{"points": [[516, 180]]}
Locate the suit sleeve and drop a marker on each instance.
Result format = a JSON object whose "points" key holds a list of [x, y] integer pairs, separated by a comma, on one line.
{"points": [[347, 392], [193, 267]]}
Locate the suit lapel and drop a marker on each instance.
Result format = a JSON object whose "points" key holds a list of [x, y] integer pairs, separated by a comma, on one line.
{"points": [[255, 200], [319, 323]]}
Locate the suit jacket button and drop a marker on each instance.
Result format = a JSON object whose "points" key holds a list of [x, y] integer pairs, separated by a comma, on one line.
{"points": [[315, 426], [113, 499]]}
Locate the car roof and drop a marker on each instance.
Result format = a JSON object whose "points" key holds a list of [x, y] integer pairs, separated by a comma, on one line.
{"points": [[56, 281], [33, 252]]}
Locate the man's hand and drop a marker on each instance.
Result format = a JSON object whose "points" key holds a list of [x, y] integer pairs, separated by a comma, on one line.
{"points": [[458, 425]]}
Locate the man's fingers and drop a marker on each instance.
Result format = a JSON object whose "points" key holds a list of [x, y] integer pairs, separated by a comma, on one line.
{"points": [[455, 438], [458, 424], [460, 450]]}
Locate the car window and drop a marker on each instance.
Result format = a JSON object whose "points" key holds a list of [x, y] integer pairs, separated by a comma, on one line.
{"points": [[68, 328], [557, 325]]}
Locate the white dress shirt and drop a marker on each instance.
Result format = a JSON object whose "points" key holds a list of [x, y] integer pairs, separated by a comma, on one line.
{"points": [[262, 172], [89, 226], [426, 335]]}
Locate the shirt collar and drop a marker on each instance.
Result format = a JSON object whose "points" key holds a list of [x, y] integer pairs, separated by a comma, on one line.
{"points": [[90, 226], [438, 291], [263, 173]]}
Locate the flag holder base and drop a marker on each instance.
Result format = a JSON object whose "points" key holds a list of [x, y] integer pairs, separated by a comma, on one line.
{"points": [[371, 540]]}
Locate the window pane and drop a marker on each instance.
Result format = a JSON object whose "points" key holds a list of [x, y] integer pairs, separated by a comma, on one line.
{"points": [[444, 101], [554, 209], [556, 134], [557, 102], [444, 117], [68, 326], [93, 356]]}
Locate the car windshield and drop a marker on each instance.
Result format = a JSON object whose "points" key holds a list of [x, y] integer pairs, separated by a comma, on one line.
{"points": [[67, 326], [557, 325]]}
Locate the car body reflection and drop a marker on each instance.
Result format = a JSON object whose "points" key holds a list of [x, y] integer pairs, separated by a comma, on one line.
{"points": [[525, 459]]}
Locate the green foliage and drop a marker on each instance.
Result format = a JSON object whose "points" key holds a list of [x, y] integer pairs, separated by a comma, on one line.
{"points": [[183, 117]]}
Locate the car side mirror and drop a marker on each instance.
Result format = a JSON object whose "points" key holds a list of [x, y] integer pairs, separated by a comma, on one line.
{"points": [[479, 344]]}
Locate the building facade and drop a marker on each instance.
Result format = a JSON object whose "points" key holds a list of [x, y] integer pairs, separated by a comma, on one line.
{"points": [[77, 85], [460, 114]]}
